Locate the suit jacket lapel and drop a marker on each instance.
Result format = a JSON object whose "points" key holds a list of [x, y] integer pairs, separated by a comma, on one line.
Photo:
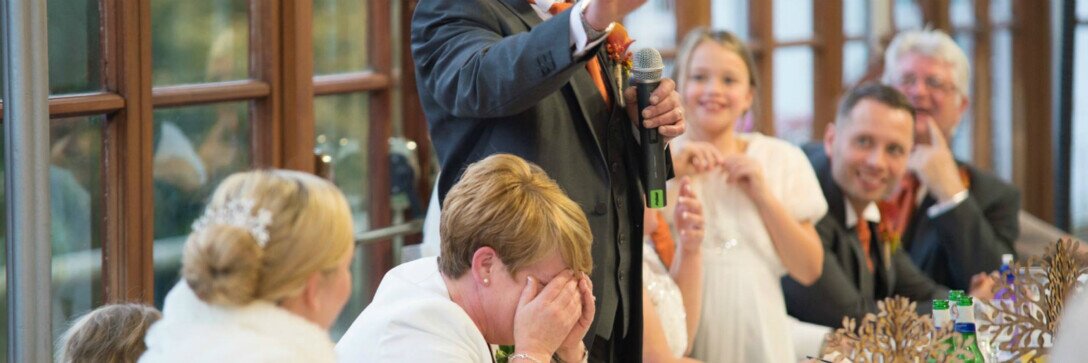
{"points": [[836, 209]]}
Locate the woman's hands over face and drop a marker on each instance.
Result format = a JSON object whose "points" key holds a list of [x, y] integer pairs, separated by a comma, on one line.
{"points": [[553, 316]]}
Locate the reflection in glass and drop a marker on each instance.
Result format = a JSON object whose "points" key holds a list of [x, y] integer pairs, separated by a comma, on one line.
{"points": [[962, 135], [653, 25], [340, 33], [855, 17], [962, 13], [908, 15], [199, 41], [793, 94], [855, 57], [75, 204], [194, 149], [1079, 182], [1001, 112], [342, 126], [731, 15], [792, 19], [75, 47]]}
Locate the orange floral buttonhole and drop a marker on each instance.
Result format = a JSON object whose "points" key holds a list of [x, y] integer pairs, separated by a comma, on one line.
{"points": [[617, 46]]}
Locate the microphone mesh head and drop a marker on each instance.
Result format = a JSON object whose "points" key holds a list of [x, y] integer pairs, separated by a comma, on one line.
{"points": [[647, 65]]}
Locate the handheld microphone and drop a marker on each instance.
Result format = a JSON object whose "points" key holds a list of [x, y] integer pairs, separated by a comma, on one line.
{"points": [[646, 75]]}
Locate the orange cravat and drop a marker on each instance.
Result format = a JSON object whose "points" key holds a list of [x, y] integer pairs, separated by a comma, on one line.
{"points": [[896, 211], [593, 66], [865, 236]]}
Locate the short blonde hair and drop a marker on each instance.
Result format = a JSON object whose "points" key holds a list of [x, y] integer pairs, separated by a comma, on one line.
{"points": [[112, 333], [724, 38], [510, 205], [930, 43], [310, 231]]}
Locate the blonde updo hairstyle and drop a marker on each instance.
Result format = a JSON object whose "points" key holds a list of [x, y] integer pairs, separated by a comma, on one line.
{"points": [[512, 206], [310, 231]]}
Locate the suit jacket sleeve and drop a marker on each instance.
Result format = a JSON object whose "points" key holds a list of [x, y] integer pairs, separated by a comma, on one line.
{"points": [[474, 64], [912, 283], [835, 294], [976, 236]]}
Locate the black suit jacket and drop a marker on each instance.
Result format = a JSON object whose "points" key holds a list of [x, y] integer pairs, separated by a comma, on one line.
{"points": [[494, 78], [847, 287], [969, 238]]}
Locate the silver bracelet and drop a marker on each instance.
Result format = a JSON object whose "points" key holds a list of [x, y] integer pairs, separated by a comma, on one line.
{"points": [[524, 356]]}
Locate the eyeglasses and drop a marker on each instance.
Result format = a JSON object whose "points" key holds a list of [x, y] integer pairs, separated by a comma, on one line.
{"points": [[932, 84]]}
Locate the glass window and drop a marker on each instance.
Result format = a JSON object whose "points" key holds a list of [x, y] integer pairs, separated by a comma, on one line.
{"points": [[855, 57], [1079, 182], [962, 136], [199, 41], [653, 25], [340, 36], [855, 18], [1001, 111], [1082, 9], [1001, 11], [792, 20], [195, 148], [908, 15], [75, 51], [962, 13], [793, 94], [75, 203], [342, 128], [731, 15]]}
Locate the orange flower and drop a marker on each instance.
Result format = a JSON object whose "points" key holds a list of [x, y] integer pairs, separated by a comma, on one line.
{"points": [[617, 44]]}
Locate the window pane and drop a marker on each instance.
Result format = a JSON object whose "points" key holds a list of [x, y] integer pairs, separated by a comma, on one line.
{"points": [[653, 25], [962, 135], [793, 94], [1079, 180], [731, 15], [342, 128], [1082, 9], [907, 15], [792, 19], [75, 52], [855, 17], [962, 13], [1001, 10], [340, 33], [1001, 112], [75, 204], [194, 147], [855, 57], [199, 41]]}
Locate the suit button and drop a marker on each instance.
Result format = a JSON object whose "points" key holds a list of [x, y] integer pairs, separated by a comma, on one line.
{"points": [[615, 167], [622, 239], [619, 203], [600, 209]]}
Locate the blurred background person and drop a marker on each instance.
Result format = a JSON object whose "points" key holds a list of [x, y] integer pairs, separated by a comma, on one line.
{"points": [[112, 333]]}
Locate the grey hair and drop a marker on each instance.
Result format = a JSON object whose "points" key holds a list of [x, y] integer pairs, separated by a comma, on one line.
{"points": [[930, 43]]}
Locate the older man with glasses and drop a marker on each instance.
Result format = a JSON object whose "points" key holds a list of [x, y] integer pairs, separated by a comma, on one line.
{"points": [[954, 220]]}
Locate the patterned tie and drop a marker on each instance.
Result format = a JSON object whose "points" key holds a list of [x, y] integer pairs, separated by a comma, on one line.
{"points": [[593, 66], [865, 236]]}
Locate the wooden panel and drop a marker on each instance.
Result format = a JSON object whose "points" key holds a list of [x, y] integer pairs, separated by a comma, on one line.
{"points": [[936, 13], [266, 116], [981, 100], [1032, 116], [298, 86], [415, 124], [381, 119], [827, 64], [691, 14], [353, 82], [128, 274], [195, 94], [82, 104], [762, 35]]}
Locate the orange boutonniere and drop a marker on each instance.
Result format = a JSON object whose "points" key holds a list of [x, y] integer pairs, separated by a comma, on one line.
{"points": [[617, 45]]}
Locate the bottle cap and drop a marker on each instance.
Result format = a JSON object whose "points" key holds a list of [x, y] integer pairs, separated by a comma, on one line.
{"points": [[1006, 259], [939, 304]]}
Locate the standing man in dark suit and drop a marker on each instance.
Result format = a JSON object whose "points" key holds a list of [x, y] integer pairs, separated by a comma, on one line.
{"points": [[864, 156], [534, 79], [954, 220]]}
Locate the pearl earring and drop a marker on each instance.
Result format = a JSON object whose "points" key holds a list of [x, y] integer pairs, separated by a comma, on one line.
{"points": [[486, 281]]}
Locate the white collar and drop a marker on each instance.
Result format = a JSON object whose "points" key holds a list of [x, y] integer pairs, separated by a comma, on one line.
{"points": [[871, 213]]}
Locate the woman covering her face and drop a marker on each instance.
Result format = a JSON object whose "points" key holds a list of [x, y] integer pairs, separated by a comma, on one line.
{"points": [[512, 271]]}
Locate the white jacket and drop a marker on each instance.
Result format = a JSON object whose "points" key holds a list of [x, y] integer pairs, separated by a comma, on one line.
{"points": [[194, 331]]}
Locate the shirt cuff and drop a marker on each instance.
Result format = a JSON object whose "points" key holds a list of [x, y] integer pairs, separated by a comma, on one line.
{"points": [[940, 208], [579, 38]]}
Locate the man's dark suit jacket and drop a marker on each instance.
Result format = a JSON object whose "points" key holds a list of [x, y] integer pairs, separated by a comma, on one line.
{"points": [[847, 287], [969, 238], [494, 78]]}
